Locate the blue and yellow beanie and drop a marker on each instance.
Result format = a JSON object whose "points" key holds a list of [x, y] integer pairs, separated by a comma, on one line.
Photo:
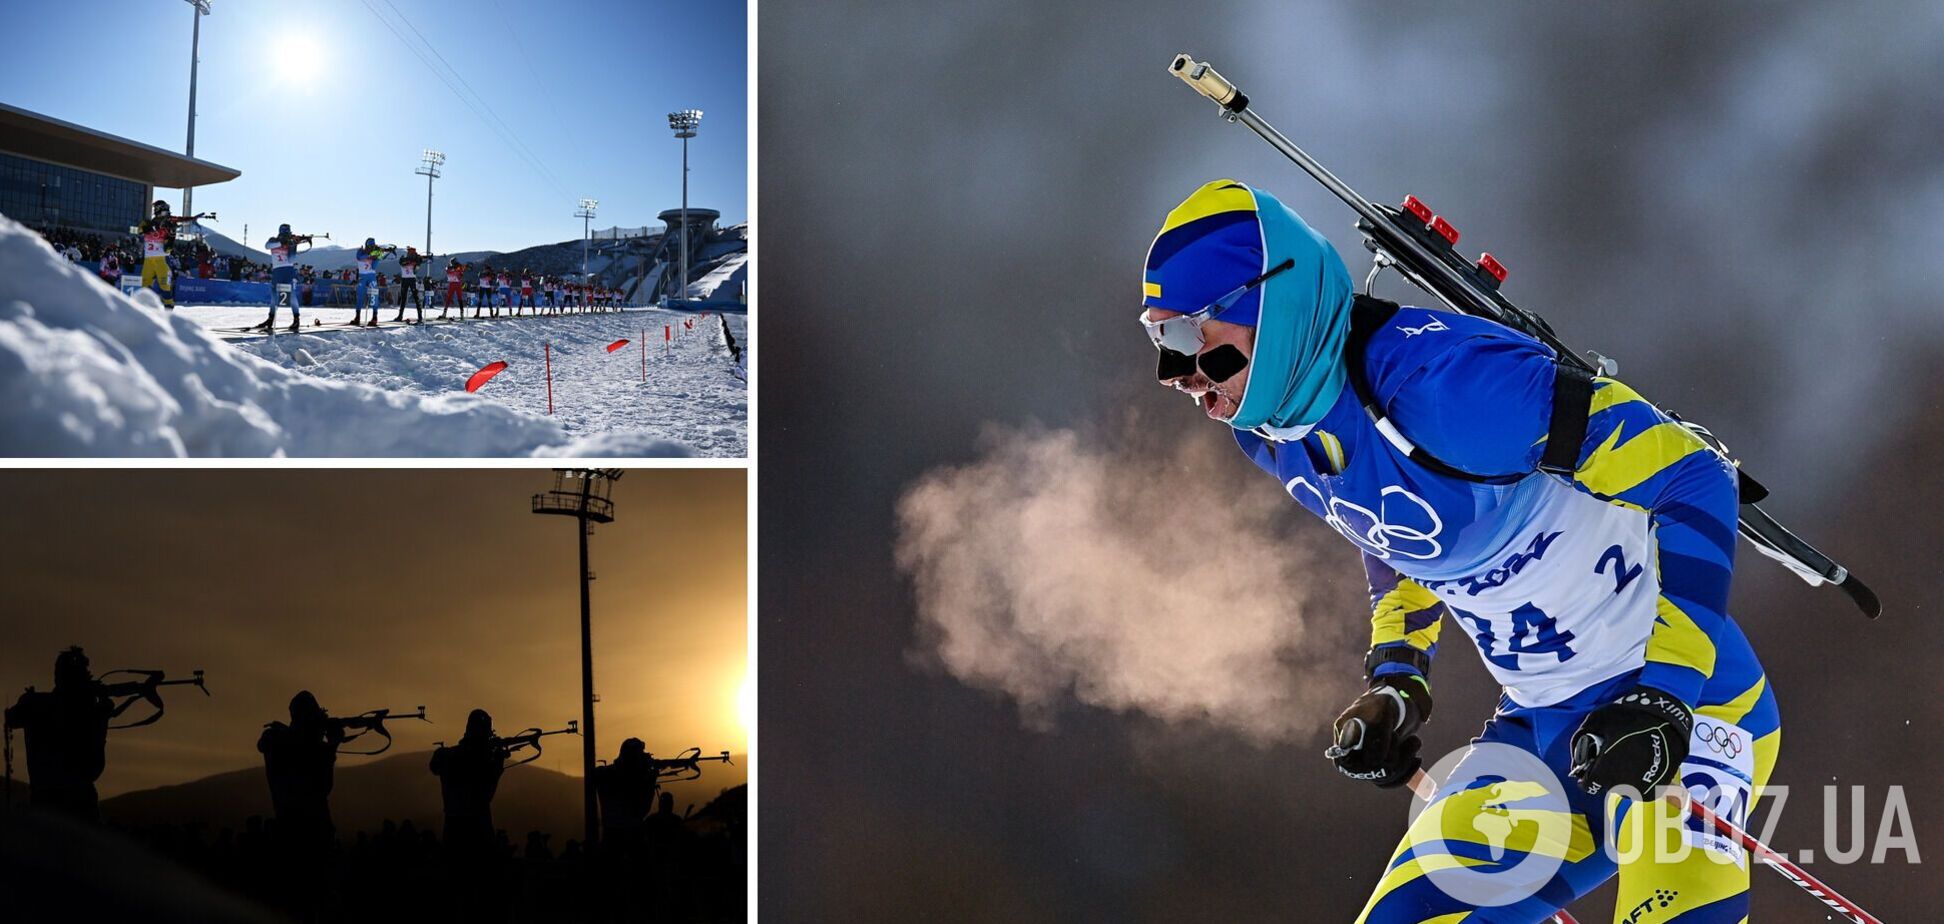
{"points": [[1228, 233]]}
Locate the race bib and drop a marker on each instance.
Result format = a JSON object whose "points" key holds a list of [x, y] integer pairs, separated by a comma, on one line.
{"points": [[1720, 774], [1568, 602]]}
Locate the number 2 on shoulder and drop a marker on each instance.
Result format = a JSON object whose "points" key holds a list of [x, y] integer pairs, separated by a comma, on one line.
{"points": [[1622, 574]]}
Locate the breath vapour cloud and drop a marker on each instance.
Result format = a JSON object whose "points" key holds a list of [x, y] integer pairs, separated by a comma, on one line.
{"points": [[1060, 567]]}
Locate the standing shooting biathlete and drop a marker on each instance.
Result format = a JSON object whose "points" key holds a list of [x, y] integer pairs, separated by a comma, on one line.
{"points": [[485, 292], [526, 291], [505, 295], [158, 235], [368, 288], [455, 288], [408, 283], [283, 275], [1592, 576]]}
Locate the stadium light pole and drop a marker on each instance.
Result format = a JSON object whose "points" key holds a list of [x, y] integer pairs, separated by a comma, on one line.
{"points": [[587, 495], [684, 122], [585, 213], [195, 45], [429, 167]]}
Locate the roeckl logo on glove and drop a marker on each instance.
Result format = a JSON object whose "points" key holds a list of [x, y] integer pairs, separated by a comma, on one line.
{"points": [[1654, 769]]}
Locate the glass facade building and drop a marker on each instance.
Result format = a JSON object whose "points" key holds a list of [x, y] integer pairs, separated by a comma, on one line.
{"points": [[38, 193]]}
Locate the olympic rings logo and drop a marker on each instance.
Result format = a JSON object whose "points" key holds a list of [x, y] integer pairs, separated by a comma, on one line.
{"points": [[1720, 739], [1370, 531]]}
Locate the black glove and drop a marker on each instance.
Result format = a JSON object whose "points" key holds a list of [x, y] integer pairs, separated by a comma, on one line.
{"points": [[1639, 740], [1376, 738]]}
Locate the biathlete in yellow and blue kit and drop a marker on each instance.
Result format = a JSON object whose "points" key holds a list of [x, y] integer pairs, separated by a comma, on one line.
{"points": [[1594, 586]]}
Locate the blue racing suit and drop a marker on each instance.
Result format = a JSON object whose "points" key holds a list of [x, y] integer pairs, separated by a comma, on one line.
{"points": [[1573, 589]]}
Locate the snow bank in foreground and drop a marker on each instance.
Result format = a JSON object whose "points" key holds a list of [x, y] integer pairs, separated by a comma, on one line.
{"points": [[86, 371]]}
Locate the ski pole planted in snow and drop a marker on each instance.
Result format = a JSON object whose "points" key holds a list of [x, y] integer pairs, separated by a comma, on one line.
{"points": [[667, 336], [644, 356], [547, 350]]}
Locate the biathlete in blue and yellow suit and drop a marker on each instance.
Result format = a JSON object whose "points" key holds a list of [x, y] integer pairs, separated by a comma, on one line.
{"points": [[368, 257], [1597, 598], [283, 250]]}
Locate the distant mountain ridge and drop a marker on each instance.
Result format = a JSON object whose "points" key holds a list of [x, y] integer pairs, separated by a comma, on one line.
{"points": [[395, 788]]}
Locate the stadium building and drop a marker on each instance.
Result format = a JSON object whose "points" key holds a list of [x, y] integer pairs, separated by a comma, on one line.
{"points": [[55, 173]]}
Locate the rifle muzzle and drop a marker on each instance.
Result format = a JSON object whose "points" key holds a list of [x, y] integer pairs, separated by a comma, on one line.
{"points": [[1206, 81]]}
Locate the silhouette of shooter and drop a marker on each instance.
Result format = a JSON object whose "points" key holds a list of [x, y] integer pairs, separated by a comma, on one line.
{"points": [[299, 758], [469, 774], [67, 736], [626, 789]]}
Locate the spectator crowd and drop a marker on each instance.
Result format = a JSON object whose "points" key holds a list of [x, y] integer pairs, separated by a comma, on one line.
{"points": [[188, 258]]}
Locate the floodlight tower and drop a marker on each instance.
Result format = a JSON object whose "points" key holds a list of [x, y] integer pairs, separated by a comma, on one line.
{"points": [[195, 45], [685, 122], [585, 212], [429, 164], [587, 495]]}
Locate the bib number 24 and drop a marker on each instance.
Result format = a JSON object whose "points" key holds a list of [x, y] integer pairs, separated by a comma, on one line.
{"points": [[1533, 633]]}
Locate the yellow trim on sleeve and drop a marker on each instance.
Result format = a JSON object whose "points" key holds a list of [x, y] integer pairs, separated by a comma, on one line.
{"points": [[1616, 467], [1150, 289], [1610, 393], [1677, 640], [1738, 708], [1387, 617]]}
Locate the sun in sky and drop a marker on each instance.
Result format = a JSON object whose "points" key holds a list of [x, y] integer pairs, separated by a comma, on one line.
{"points": [[746, 704], [297, 60]]}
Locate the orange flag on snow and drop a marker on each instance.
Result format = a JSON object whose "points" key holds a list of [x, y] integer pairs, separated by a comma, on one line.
{"points": [[485, 374]]}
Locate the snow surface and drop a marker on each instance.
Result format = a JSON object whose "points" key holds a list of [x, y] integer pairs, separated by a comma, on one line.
{"points": [[690, 396], [87, 371]]}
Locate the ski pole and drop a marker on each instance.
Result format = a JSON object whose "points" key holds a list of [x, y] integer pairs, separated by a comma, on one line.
{"points": [[547, 346], [1781, 864], [1425, 789]]}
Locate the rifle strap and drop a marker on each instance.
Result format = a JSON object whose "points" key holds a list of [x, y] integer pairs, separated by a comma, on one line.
{"points": [[1572, 399]]}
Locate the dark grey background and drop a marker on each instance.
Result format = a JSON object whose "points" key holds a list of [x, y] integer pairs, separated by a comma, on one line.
{"points": [[1739, 201]]}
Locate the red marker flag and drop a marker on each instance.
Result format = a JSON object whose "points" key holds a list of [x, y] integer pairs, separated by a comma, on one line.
{"points": [[688, 324], [485, 374], [618, 344], [666, 335]]}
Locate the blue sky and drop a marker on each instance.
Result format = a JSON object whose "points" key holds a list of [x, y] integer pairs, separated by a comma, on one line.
{"points": [[326, 111]]}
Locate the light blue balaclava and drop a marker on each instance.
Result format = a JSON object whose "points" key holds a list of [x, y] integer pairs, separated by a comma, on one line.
{"points": [[1222, 236]]}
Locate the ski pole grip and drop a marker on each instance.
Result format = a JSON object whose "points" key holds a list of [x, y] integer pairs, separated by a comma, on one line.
{"points": [[1203, 77]]}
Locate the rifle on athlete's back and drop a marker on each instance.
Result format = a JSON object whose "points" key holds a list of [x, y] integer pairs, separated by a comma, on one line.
{"points": [[1420, 246]]}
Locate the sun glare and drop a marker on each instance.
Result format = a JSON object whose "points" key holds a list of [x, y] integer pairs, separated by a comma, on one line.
{"points": [[297, 59], [746, 704]]}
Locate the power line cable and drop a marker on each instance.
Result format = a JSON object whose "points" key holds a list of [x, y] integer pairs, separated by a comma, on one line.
{"points": [[469, 87], [492, 122]]}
